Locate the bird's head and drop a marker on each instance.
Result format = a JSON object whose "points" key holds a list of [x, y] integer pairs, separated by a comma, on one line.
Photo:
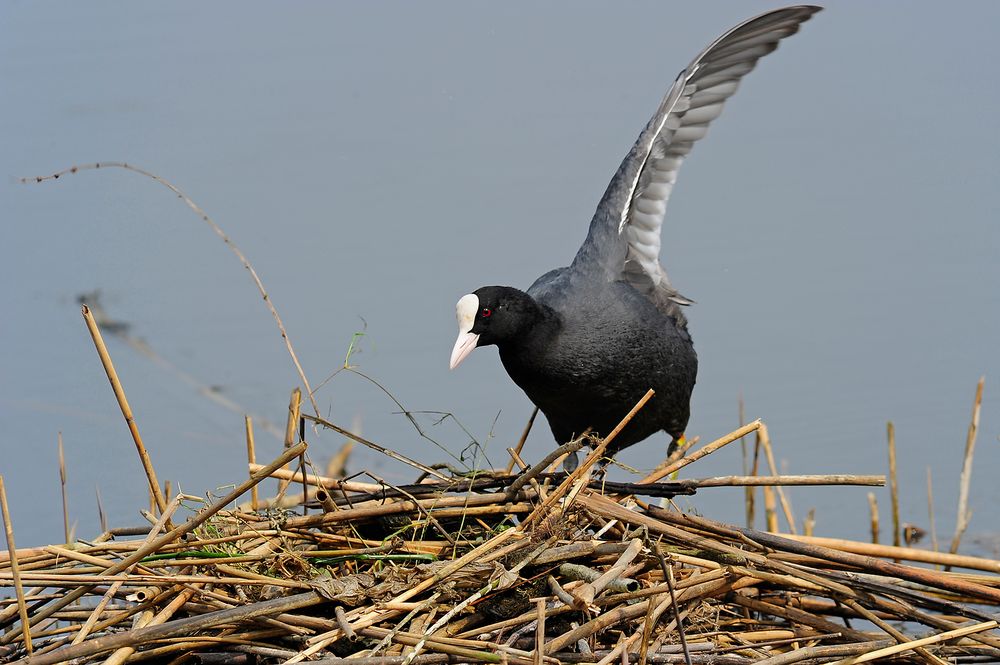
{"points": [[491, 315]]}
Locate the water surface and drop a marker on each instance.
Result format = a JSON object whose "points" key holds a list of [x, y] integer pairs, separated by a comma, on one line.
{"points": [[838, 229]]}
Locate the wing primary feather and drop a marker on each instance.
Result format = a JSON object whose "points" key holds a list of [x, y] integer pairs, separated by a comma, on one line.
{"points": [[637, 197]]}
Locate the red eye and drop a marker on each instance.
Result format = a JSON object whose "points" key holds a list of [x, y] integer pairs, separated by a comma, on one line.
{"points": [[487, 312]]}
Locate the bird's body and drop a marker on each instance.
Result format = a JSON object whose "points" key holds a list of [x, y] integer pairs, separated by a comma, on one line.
{"points": [[586, 342], [581, 355]]}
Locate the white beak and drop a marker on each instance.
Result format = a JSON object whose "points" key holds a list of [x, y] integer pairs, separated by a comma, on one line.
{"points": [[466, 310]]}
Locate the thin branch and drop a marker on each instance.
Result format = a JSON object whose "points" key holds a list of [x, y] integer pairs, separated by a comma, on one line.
{"points": [[218, 231]]}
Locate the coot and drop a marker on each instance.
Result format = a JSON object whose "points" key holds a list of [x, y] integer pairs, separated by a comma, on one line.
{"points": [[585, 342]]}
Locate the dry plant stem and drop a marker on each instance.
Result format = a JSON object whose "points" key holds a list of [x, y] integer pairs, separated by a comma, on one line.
{"points": [[701, 452], [218, 231], [578, 473], [538, 653], [585, 593], [907, 646], [425, 659], [251, 459], [116, 386], [769, 540], [738, 481], [822, 654], [372, 617], [323, 481], [754, 468], [873, 512], [926, 655], [177, 628], [22, 608], [447, 616], [901, 553], [964, 514], [62, 486], [538, 468], [539, 490], [400, 625], [95, 615], [524, 437], [668, 575], [165, 539], [122, 654], [338, 463], [325, 500], [376, 447], [422, 509], [893, 484], [930, 512], [294, 407], [765, 441], [627, 612], [466, 654], [796, 615], [770, 510]]}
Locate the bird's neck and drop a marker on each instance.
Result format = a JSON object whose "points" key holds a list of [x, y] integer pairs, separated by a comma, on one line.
{"points": [[534, 337]]}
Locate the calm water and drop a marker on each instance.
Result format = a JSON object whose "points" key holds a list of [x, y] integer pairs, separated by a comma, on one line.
{"points": [[838, 229]]}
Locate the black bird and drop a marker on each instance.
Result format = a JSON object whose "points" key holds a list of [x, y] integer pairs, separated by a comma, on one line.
{"points": [[586, 342]]}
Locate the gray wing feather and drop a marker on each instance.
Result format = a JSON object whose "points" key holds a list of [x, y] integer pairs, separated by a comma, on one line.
{"points": [[624, 238]]}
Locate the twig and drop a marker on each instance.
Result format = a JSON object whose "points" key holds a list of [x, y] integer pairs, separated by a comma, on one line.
{"points": [[376, 447], [538, 469], [116, 386], [524, 437], [218, 231]]}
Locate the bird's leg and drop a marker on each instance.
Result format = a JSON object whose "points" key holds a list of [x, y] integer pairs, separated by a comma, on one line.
{"points": [[570, 462], [677, 442]]}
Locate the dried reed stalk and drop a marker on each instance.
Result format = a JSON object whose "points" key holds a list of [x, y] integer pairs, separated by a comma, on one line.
{"points": [[294, 408], [251, 459], [708, 449], [964, 514], [15, 571], [116, 386], [893, 484]]}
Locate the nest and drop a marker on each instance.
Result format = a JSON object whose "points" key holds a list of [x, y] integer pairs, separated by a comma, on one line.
{"points": [[493, 567]]}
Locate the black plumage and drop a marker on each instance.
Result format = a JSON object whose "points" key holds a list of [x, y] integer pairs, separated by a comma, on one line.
{"points": [[585, 342]]}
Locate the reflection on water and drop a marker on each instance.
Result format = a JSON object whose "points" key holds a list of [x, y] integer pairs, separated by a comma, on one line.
{"points": [[837, 230]]}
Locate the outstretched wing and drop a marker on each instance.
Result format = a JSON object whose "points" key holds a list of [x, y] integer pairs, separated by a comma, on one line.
{"points": [[624, 237]]}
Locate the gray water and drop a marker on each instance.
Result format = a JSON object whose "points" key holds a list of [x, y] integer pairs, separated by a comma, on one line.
{"points": [[837, 228]]}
